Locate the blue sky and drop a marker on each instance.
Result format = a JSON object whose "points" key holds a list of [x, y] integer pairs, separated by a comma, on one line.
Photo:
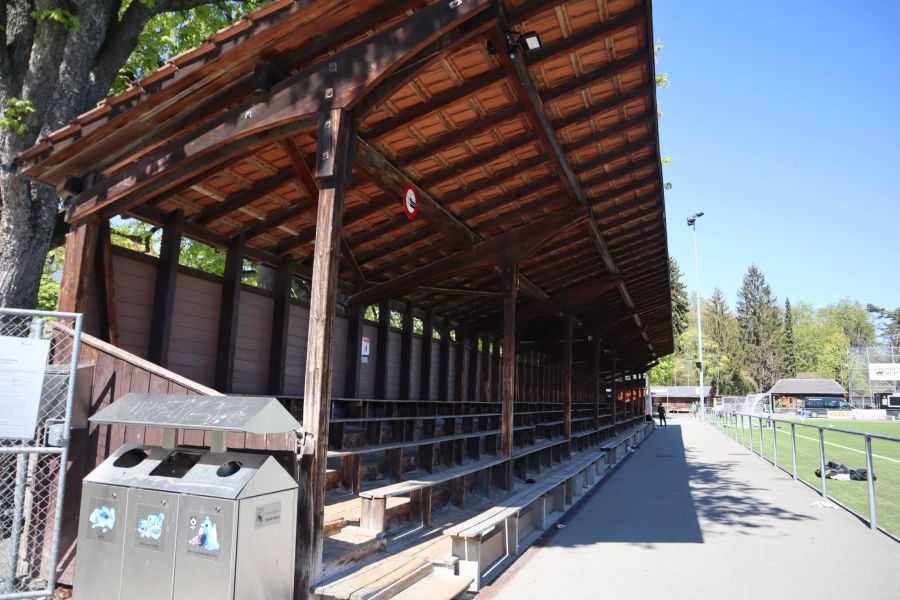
{"points": [[783, 124]]}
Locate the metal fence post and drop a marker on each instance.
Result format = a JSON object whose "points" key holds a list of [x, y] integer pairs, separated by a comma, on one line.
{"points": [[774, 423], [794, 448], [822, 461], [759, 420], [870, 479]]}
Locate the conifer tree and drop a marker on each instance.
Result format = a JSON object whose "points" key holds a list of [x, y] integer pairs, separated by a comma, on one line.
{"points": [[787, 342], [759, 323]]}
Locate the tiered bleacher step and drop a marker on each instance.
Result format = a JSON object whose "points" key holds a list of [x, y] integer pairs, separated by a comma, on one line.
{"points": [[412, 533]]}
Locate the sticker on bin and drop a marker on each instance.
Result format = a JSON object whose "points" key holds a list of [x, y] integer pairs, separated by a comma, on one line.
{"points": [[204, 537], [268, 514], [151, 528], [103, 520]]}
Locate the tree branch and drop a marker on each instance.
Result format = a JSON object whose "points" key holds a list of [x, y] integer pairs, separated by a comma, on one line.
{"points": [[123, 38]]}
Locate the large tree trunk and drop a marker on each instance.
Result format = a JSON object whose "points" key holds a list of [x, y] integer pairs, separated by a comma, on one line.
{"points": [[63, 73], [26, 225]]}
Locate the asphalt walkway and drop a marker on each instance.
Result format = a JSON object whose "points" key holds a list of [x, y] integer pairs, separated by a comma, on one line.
{"points": [[694, 515]]}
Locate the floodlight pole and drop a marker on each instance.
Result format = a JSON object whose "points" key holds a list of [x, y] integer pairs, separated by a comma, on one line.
{"points": [[692, 221]]}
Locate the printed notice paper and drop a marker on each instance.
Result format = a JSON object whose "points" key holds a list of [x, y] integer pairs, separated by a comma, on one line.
{"points": [[22, 365]]}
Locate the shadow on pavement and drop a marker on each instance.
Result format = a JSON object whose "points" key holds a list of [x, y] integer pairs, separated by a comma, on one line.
{"points": [[650, 499]]}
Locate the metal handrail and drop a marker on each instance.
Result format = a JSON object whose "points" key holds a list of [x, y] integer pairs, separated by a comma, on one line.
{"points": [[736, 420]]}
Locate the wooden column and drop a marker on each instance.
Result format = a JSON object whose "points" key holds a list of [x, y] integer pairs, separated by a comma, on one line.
{"points": [[281, 317], [486, 369], [596, 380], [444, 362], [459, 389], [472, 371], [496, 386], [427, 345], [614, 395], [334, 153], [406, 344], [228, 315], [567, 390], [164, 290], [81, 246], [382, 349], [508, 377], [354, 349], [105, 285]]}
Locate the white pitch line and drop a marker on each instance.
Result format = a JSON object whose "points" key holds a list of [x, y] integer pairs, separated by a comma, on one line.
{"points": [[851, 449]]}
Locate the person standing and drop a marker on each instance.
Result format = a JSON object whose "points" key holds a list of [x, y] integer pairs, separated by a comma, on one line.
{"points": [[661, 413], [694, 409]]}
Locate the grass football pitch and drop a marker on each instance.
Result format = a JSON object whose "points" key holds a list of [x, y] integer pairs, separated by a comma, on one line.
{"points": [[842, 448]]}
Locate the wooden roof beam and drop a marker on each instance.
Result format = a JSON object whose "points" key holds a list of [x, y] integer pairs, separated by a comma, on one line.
{"points": [[393, 180], [339, 80], [234, 202], [516, 243], [442, 100], [528, 95]]}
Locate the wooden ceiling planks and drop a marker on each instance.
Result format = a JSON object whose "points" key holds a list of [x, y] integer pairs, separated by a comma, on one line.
{"points": [[486, 163]]}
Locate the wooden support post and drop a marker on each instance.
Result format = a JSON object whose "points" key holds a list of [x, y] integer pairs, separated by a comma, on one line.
{"points": [[510, 273], [281, 316], [567, 390], [81, 245], [614, 396], [106, 289], [164, 290], [354, 349], [382, 349], [406, 343], [459, 388], [444, 362], [228, 316], [333, 169], [596, 381], [496, 387], [486, 369], [472, 371], [427, 345]]}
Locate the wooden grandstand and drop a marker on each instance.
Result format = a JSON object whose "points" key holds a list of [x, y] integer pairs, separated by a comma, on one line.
{"points": [[532, 283]]}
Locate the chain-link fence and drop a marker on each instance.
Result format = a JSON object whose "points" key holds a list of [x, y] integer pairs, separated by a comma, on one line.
{"points": [[38, 366]]}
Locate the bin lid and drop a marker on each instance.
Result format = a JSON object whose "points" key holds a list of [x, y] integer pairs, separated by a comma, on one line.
{"points": [[245, 414]]}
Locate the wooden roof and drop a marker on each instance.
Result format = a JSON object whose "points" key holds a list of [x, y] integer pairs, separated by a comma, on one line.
{"points": [[555, 153]]}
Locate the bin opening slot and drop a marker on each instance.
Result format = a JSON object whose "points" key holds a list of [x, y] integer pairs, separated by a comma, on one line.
{"points": [[131, 459], [228, 469], [176, 464]]}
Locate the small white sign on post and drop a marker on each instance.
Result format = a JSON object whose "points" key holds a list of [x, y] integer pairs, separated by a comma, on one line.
{"points": [[22, 365]]}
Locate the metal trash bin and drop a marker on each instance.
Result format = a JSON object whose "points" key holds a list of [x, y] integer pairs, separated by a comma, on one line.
{"points": [[161, 522]]}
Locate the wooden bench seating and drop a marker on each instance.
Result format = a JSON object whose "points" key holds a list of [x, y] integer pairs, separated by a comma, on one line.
{"points": [[617, 446], [452, 449], [374, 504], [485, 543]]}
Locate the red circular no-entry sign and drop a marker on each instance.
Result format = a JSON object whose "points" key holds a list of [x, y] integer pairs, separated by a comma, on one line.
{"points": [[410, 201]]}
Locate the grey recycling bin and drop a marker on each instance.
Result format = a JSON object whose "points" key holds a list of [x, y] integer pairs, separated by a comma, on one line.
{"points": [[162, 522]]}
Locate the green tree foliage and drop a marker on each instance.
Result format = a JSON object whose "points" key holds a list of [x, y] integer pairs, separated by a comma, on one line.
{"points": [[820, 344], [681, 305], [759, 324], [853, 318], [890, 323], [787, 342], [722, 347], [48, 295], [170, 33]]}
